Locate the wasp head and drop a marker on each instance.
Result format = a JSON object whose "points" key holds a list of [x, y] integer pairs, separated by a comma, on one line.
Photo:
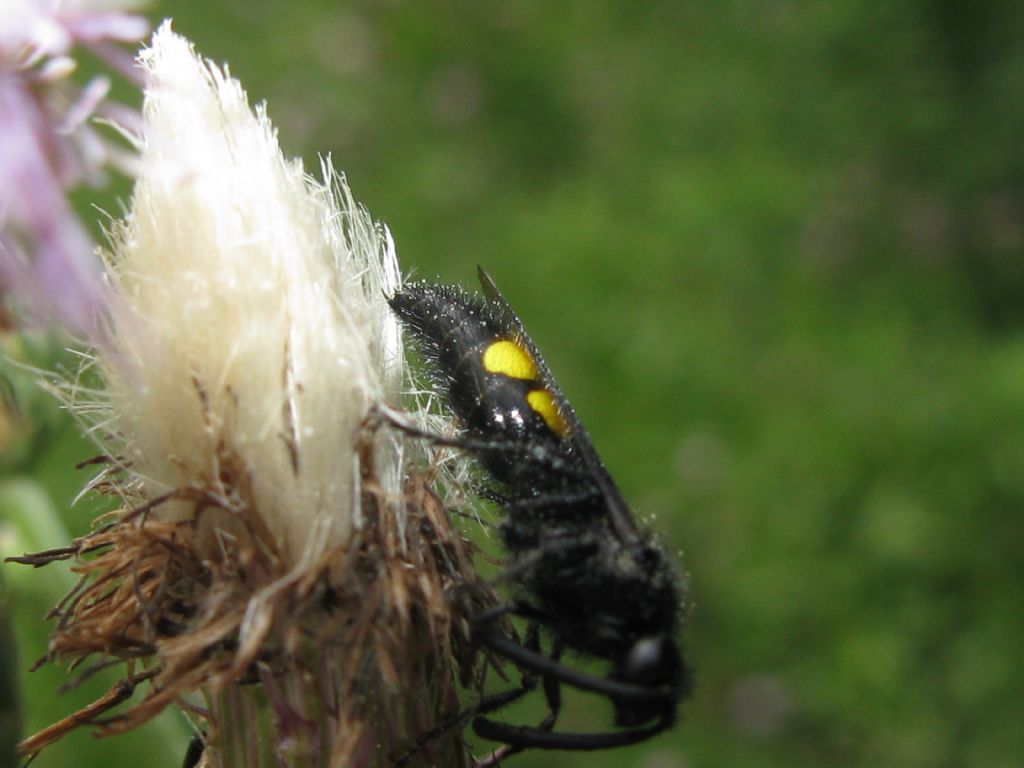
{"points": [[652, 662]]}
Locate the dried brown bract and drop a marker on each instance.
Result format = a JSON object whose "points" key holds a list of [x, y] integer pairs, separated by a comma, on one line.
{"points": [[338, 649]]}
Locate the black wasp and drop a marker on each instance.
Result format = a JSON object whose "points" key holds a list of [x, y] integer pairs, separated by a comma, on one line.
{"points": [[588, 576]]}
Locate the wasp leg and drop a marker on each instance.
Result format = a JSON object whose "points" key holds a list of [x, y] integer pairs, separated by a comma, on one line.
{"points": [[546, 667], [397, 420], [527, 658], [552, 695], [456, 722], [486, 705], [519, 737], [533, 454], [485, 619], [541, 501]]}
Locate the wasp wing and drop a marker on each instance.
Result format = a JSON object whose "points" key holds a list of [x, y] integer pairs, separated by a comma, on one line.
{"points": [[618, 511]]}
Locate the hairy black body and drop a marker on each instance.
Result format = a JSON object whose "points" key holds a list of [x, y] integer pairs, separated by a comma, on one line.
{"points": [[588, 575]]}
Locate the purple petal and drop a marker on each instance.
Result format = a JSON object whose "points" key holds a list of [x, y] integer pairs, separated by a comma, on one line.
{"points": [[47, 258], [118, 59], [91, 27], [85, 105]]}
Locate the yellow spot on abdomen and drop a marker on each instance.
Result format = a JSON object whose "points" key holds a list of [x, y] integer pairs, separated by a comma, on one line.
{"points": [[508, 358], [542, 402]]}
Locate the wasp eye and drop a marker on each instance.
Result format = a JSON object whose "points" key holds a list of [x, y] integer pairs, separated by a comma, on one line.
{"points": [[651, 661], [645, 659]]}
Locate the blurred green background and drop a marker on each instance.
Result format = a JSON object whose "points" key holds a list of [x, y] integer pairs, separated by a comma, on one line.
{"points": [[774, 253]]}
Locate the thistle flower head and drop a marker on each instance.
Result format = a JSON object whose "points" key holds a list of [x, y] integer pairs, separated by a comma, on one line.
{"points": [[252, 331], [269, 528]]}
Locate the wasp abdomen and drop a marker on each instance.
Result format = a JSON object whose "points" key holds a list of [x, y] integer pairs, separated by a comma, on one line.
{"points": [[492, 381]]}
